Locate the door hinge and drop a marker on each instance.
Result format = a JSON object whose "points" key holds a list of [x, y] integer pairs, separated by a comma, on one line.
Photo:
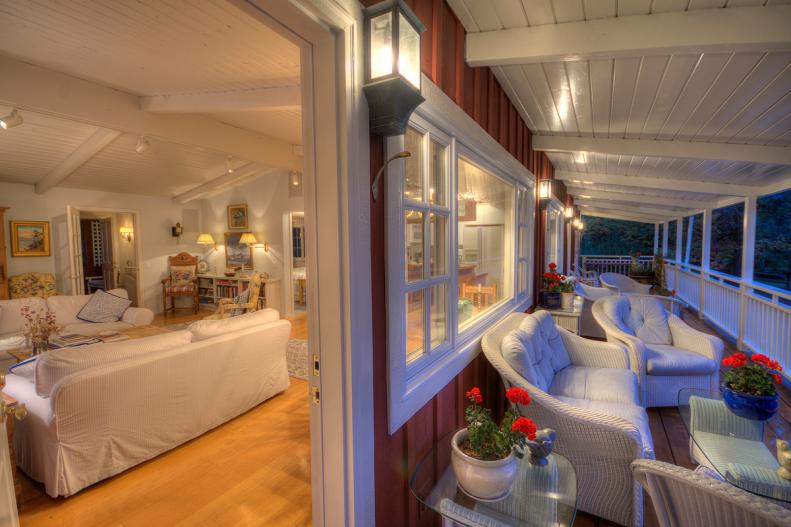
{"points": [[315, 394], [316, 366]]}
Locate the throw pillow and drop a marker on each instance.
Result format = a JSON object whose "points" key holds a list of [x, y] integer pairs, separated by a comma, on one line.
{"points": [[182, 274], [25, 369], [104, 307], [648, 320], [240, 299], [514, 348]]}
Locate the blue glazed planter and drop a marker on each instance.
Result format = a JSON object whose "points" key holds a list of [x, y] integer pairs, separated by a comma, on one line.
{"points": [[550, 299], [755, 407]]}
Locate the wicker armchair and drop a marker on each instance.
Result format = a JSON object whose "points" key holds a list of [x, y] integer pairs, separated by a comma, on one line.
{"points": [[620, 283], [188, 286], [226, 308], [589, 294], [683, 498], [600, 445], [691, 359]]}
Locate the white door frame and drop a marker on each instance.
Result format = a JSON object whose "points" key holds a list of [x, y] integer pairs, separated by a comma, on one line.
{"points": [[337, 198]]}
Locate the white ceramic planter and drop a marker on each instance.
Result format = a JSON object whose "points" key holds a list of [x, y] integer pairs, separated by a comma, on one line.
{"points": [[483, 480], [566, 300]]}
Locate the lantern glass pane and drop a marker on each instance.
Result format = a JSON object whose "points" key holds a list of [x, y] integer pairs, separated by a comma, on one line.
{"points": [[408, 51], [381, 45]]}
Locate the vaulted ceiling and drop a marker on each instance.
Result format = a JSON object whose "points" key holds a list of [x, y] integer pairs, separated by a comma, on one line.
{"points": [[202, 82], [634, 98]]}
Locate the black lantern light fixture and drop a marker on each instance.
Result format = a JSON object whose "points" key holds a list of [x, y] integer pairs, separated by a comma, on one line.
{"points": [[392, 66]]}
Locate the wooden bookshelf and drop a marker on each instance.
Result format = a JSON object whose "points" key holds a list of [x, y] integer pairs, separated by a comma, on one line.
{"points": [[213, 287]]}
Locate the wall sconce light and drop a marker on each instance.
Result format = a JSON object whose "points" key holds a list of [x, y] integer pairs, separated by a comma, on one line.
{"points": [[205, 238], [176, 231], [264, 246], [545, 190], [392, 65], [247, 238], [126, 233], [12, 119], [569, 212]]}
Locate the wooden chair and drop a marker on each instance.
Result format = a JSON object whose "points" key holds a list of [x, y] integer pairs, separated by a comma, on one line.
{"points": [[172, 290], [226, 305], [481, 296]]}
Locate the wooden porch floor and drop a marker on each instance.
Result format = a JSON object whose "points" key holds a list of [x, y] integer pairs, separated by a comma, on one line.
{"points": [[671, 441]]}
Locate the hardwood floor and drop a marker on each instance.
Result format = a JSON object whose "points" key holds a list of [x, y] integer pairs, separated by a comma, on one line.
{"points": [[299, 322]]}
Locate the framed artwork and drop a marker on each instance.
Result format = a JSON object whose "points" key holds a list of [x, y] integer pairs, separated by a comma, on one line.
{"points": [[30, 238], [236, 254], [237, 216]]}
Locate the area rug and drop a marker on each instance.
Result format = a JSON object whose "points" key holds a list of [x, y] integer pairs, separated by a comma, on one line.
{"points": [[297, 358]]}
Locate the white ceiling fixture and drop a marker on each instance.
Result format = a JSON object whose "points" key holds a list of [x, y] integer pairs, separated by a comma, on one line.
{"points": [[229, 165], [11, 120], [142, 145], [708, 30]]}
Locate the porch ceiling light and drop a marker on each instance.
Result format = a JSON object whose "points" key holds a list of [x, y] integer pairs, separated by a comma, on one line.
{"points": [[392, 65], [11, 120]]}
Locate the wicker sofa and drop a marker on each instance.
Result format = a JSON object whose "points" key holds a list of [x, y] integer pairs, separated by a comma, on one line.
{"points": [[586, 391]]}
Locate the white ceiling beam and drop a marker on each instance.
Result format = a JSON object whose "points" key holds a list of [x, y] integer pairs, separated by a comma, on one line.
{"points": [[651, 148], [645, 199], [619, 215], [224, 181], [603, 204], [724, 189], [89, 148], [46, 91], [255, 100], [696, 31]]}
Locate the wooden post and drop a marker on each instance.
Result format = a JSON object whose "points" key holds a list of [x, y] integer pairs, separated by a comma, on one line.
{"points": [[705, 260], [664, 238], [748, 263]]}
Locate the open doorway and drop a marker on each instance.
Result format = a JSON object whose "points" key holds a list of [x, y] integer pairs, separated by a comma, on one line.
{"points": [[294, 264]]}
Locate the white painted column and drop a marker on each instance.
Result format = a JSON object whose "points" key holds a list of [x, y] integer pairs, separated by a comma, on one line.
{"points": [[748, 262], [656, 239], [665, 231], [705, 258], [688, 248], [679, 238]]}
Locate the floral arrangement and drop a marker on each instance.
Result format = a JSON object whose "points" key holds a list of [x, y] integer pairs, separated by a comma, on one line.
{"points": [[556, 282], [488, 441], [39, 325], [754, 376]]}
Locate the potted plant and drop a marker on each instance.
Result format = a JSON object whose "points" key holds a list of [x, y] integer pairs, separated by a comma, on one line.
{"points": [[566, 292], [750, 385], [39, 327], [550, 293], [484, 454]]}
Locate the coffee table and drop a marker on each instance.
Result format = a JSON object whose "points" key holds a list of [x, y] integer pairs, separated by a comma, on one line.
{"points": [[742, 451], [540, 495]]}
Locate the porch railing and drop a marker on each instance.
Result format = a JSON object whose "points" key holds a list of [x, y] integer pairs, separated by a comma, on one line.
{"points": [[610, 263], [756, 316]]}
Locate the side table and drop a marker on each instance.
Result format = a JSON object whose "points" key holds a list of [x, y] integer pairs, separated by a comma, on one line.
{"points": [[569, 319]]}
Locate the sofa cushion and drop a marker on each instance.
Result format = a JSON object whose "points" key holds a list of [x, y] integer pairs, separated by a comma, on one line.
{"points": [[550, 339], [669, 360], [67, 307], [25, 369], [206, 329], [617, 311], [632, 413], [181, 274], [514, 348], [104, 307], [615, 385], [11, 321], [647, 319], [54, 365]]}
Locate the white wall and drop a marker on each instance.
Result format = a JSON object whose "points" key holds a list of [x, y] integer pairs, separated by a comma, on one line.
{"points": [[156, 215], [267, 199]]}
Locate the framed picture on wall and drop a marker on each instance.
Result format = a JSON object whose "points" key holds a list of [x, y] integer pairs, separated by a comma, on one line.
{"points": [[237, 216], [30, 238], [237, 254]]}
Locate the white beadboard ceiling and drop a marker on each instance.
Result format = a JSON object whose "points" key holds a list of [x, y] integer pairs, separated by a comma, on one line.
{"points": [[734, 96], [144, 48]]}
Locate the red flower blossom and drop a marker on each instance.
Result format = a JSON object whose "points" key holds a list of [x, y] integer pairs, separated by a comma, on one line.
{"points": [[775, 365], [553, 265], [761, 359], [474, 395], [673, 292], [518, 395], [737, 360], [562, 277], [525, 426], [777, 378]]}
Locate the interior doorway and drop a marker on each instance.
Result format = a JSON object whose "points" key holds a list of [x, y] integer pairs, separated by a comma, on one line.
{"points": [[294, 268]]}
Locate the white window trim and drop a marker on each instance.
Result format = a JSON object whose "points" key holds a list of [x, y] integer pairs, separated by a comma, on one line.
{"points": [[554, 206], [410, 389]]}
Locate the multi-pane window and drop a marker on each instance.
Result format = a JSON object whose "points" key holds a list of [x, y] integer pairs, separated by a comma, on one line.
{"points": [[524, 202]]}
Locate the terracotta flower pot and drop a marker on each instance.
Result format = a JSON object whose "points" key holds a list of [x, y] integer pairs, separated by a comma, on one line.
{"points": [[482, 480]]}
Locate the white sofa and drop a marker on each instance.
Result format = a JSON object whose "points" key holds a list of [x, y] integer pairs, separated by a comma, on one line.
{"points": [[587, 392], [620, 283], [670, 354], [95, 411]]}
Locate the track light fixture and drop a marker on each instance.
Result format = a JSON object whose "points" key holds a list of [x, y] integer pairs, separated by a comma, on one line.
{"points": [[142, 144], [11, 120]]}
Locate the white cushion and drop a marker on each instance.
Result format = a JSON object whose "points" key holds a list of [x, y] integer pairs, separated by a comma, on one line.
{"points": [[629, 412], [670, 360], [104, 307], [514, 349], [593, 293], [617, 311], [12, 321], [67, 307], [536, 350], [54, 365], [206, 329], [648, 320], [599, 384], [550, 338]]}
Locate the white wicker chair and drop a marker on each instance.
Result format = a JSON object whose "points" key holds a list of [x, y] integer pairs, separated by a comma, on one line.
{"points": [[683, 498], [600, 446], [661, 387], [620, 283], [589, 326]]}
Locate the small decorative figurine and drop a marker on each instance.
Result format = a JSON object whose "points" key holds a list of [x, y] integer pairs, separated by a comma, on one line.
{"points": [[784, 458], [541, 446]]}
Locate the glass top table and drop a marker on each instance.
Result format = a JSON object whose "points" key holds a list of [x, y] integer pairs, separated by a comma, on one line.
{"points": [[540, 496], [742, 451]]}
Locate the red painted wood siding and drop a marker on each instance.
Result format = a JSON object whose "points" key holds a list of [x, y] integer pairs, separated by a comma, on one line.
{"points": [[478, 92]]}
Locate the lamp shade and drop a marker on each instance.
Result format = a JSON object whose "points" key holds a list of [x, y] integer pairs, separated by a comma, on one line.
{"points": [[205, 239], [247, 239]]}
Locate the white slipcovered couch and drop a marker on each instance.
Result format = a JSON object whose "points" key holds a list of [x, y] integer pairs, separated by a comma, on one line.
{"points": [[95, 411], [587, 392], [670, 355]]}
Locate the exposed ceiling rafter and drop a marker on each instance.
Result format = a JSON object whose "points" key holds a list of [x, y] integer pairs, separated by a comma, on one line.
{"points": [[722, 189], [222, 182], [81, 155], [603, 204], [644, 199], [603, 213], [695, 31], [260, 99]]}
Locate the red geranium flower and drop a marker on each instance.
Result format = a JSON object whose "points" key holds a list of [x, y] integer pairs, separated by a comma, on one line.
{"points": [[777, 378], [553, 265], [761, 359], [775, 365], [673, 292], [518, 395], [474, 395], [737, 360], [525, 426]]}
